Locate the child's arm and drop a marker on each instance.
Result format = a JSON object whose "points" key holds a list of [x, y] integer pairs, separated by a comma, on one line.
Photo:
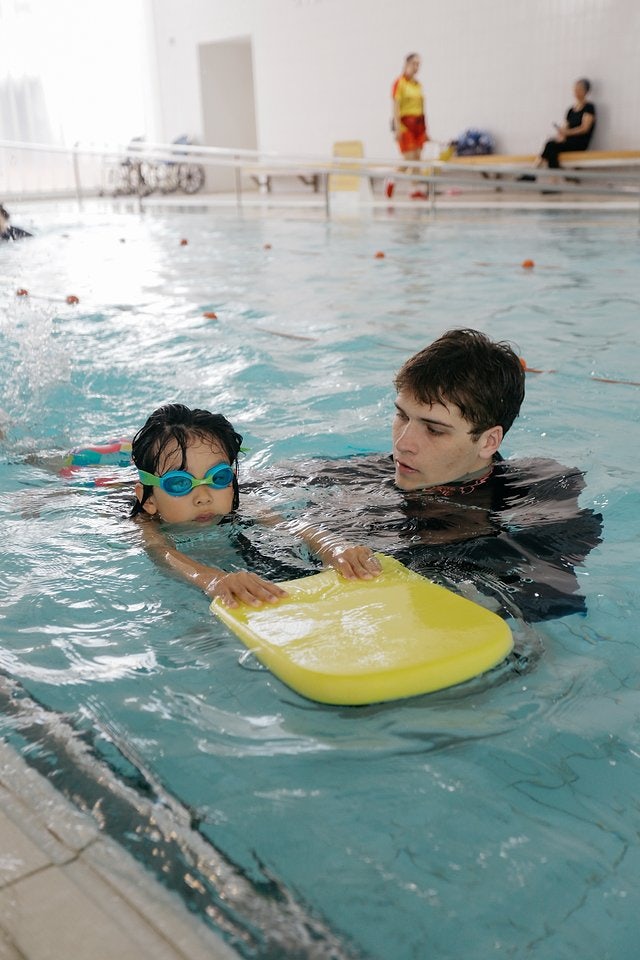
{"points": [[352, 561], [229, 587]]}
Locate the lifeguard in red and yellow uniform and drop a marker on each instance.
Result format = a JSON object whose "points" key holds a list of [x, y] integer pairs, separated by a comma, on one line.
{"points": [[409, 123]]}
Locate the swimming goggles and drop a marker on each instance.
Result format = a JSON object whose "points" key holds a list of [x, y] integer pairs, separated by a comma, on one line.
{"points": [[178, 483]]}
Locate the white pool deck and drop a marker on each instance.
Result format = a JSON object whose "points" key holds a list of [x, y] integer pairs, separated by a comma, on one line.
{"points": [[495, 197], [294, 200], [68, 891]]}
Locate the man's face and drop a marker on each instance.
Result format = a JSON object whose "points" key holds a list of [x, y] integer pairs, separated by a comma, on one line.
{"points": [[432, 444]]}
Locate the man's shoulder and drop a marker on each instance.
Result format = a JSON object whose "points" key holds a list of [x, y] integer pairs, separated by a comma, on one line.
{"points": [[356, 469], [534, 495], [541, 475]]}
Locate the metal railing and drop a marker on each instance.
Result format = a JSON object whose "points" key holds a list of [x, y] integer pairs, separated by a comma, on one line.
{"points": [[434, 174]]}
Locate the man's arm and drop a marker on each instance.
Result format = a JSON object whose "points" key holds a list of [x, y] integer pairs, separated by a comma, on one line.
{"points": [[352, 561]]}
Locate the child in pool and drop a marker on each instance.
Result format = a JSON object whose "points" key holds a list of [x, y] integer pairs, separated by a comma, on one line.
{"points": [[187, 464]]}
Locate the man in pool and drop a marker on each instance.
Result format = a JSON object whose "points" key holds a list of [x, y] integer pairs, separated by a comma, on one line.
{"points": [[446, 502], [7, 232], [517, 521]]}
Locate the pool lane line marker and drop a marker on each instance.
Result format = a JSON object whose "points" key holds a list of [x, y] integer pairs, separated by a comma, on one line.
{"points": [[628, 383], [71, 298], [289, 336], [209, 314]]}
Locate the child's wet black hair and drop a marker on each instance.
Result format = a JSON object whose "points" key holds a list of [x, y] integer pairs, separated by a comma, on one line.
{"points": [[172, 428]]}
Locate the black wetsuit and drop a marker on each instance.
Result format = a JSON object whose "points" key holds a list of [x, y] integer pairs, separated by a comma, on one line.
{"points": [[14, 233], [553, 148], [517, 535]]}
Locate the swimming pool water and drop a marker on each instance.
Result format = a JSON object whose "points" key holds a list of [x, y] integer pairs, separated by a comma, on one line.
{"points": [[500, 818]]}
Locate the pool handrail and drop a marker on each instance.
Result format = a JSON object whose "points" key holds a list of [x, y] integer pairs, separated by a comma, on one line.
{"points": [[428, 171]]}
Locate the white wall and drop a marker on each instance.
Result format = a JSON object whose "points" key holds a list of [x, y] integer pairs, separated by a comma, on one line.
{"points": [[70, 72], [76, 71], [323, 68], [179, 28]]}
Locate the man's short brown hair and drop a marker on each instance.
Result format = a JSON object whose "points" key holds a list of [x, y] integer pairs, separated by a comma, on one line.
{"points": [[483, 378]]}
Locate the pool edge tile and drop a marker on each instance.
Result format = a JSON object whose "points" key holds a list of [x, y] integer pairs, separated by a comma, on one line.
{"points": [[66, 869]]}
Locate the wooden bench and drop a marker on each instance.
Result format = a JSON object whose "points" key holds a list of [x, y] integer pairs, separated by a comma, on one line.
{"points": [[570, 158], [347, 177]]}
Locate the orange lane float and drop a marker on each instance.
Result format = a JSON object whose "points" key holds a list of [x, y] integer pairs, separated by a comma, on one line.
{"points": [[528, 264], [210, 315], [184, 242], [379, 255], [528, 369]]}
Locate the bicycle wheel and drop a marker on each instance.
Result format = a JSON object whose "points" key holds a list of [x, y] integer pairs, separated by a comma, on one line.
{"points": [[122, 186], [148, 177], [190, 177], [168, 179], [138, 178]]}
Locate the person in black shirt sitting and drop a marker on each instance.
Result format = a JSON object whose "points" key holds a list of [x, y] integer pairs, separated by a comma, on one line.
{"points": [[574, 134]]}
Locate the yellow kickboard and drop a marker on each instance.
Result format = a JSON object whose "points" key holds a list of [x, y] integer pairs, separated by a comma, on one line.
{"points": [[354, 642]]}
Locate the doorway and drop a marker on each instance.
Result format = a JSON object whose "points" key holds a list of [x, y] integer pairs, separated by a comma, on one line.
{"points": [[228, 102]]}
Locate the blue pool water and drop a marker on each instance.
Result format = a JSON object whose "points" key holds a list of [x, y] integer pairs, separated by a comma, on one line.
{"points": [[497, 819]]}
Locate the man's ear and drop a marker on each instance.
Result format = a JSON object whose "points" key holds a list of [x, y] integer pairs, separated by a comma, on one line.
{"points": [[149, 506], [490, 442]]}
